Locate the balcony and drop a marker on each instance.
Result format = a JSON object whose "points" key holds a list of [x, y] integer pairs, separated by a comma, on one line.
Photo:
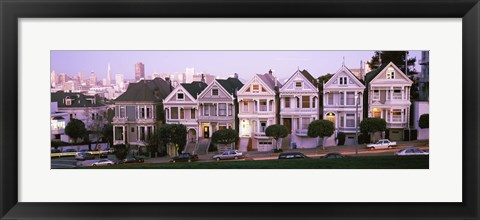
{"points": [[119, 120], [260, 135], [396, 118], [215, 118], [145, 120], [302, 132], [397, 96]]}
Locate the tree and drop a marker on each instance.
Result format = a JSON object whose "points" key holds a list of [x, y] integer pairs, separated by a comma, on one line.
{"points": [[120, 151], [321, 129], [372, 125], [175, 134], [110, 114], [398, 58], [341, 138], [324, 78], [152, 142], [225, 136], [276, 131], [423, 122], [75, 129], [107, 133]]}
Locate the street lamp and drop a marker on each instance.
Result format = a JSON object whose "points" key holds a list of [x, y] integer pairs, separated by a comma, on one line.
{"points": [[357, 98]]}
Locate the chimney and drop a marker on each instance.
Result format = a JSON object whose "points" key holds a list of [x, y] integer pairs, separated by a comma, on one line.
{"points": [[270, 72], [235, 75], [203, 78]]}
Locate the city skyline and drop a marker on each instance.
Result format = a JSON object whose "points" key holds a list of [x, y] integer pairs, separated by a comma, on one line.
{"points": [[220, 63]]}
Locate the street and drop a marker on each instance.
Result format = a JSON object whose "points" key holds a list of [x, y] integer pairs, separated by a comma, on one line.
{"points": [[71, 162]]}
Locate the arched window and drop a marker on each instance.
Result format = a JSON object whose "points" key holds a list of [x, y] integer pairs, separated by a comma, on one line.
{"points": [[390, 73]]}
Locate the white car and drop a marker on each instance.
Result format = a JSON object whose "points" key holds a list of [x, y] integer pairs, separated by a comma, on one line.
{"points": [[103, 162], [382, 144], [411, 151], [229, 154]]}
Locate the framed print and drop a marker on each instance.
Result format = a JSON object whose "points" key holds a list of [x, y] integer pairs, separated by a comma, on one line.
{"points": [[157, 107]]}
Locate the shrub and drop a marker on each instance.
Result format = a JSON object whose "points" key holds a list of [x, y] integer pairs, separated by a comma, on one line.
{"points": [[341, 138], [423, 122], [120, 151]]}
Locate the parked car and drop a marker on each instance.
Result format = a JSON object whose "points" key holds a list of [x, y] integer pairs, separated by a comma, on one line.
{"points": [[334, 155], [84, 156], [55, 151], [70, 150], [411, 151], [103, 162], [229, 154], [382, 144], [292, 155], [184, 157], [132, 160]]}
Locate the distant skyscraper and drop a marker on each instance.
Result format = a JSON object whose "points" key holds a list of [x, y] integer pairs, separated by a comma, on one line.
{"points": [[61, 79], [109, 77], [69, 86], [139, 71], [93, 79], [189, 72], [53, 79], [119, 81]]}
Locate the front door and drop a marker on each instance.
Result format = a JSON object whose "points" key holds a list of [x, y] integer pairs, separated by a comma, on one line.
{"points": [[206, 132], [287, 122]]}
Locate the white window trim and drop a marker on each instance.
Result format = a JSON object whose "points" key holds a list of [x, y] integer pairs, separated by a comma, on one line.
{"points": [[182, 94]]}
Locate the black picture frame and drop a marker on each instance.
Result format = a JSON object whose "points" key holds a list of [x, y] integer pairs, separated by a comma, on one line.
{"points": [[12, 10]]}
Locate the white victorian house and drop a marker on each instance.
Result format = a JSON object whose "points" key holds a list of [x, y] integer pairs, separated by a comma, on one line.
{"points": [[181, 107], [389, 98], [298, 107], [343, 104], [216, 105], [257, 102]]}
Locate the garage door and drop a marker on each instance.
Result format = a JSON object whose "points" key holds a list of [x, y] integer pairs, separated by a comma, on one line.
{"points": [[396, 135]]}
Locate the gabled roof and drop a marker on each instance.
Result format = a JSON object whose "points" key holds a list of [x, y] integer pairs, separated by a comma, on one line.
{"points": [[146, 90], [194, 88], [269, 80], [375, 73], [372, 74], [78, 99], [345, 69], [310, 78], [231, 84]]}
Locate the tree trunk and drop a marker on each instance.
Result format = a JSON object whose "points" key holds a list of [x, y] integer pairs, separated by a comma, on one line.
{"points": [[323, 142]]}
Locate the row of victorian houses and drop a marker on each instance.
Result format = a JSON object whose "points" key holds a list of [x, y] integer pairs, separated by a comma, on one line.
{"points": [[262, 101]]}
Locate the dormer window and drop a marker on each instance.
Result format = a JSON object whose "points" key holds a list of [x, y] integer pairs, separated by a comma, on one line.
{"points": [[390, 73], [256, 88], [343, 80], [298, 85], [214, 92], [180, 96]]}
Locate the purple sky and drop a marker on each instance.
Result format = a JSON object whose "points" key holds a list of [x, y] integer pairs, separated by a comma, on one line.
{"points": [[219, 63]]}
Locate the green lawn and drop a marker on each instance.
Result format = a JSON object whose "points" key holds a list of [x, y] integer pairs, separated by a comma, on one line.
{"points": [[367, 162]]}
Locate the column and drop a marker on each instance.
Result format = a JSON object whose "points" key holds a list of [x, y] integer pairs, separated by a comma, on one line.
{"points": [[114, 129], [390, 111], [216, 113], [138, 133], [124, 134]]}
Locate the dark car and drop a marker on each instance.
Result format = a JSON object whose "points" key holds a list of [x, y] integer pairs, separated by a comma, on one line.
{"points": [[334, 155], [70, 150], [55, 151], [132, 160], [184, 157], [292, 155]]}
